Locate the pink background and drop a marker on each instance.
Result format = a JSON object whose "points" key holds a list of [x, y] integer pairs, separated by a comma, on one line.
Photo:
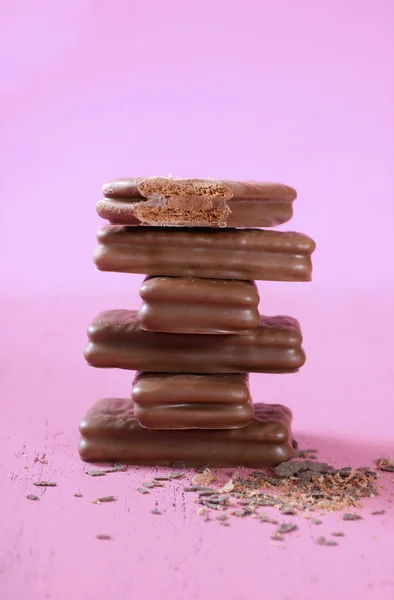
{"points": [[296, 91]]}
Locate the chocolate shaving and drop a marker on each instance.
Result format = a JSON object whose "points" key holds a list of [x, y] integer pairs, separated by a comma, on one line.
{"points": [[378, 512], [32, 497], [142, 490], [155, 511], [45, 483], [202, 469], [103, 536], [338, 534], [288, 510], [104, 499], [351, 517], [286, 528], [176, 475], [265, 519], [322, 541], [78, 495], [161, 478]]}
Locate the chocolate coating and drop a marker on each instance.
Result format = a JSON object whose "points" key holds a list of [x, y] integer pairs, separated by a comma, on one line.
{"points": [[186, 305], [194, 416], [178, 388], [188, 401], [116, 340], [162, 201], [244, 254], [110, 432]]}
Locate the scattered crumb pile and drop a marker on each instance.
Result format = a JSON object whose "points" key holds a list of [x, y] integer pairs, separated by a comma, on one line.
{"points": [[297, 487]]}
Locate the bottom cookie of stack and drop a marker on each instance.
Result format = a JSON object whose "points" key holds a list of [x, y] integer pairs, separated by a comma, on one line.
{"points": [[111, 433]]}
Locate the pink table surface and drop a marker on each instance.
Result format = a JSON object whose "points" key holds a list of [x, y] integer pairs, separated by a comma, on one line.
{"points": [[300, 92]]}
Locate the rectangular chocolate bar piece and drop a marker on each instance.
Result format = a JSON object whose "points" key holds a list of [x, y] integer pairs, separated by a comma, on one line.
{"points": [[194, 416], [188, 401], [177, 388], [245, 254], [110, 433], [195, 305], [116, 340], [163, 201]]}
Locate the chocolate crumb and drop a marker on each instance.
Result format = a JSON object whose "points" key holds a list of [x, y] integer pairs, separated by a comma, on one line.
{"points": [[338, 534], [286, 528], [224, 524], [316, 521], [222, 517], [202, 469], [265, 519], [277, 537], [288, 510], [378, 512], [142, 490], [322, 541], [211, 505], [78, 495], [96, 472], [104, 499], [155, 511], [120, 467], [178, 464], [240, 513], [175, 475], [161, 478], [103, 536], [148, 484], [294, 443], [351, 517], [204, 478], [32, 497], [45, 483]]}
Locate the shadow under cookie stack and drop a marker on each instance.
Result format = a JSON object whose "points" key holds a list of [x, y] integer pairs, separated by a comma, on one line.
{"points": [[198, 333]]}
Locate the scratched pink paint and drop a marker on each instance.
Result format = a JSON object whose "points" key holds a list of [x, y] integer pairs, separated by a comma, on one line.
{"points": [[300, 92]]}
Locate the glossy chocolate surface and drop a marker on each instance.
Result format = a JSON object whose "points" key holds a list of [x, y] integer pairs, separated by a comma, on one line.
{"points": [[116, 340], [196, 305], [194, 416], [111, 432], [187, 401], [179, 388], [244, 254], [162, 201]]}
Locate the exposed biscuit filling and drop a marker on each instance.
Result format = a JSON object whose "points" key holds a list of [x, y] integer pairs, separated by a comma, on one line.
{"points": [[183, 202]]}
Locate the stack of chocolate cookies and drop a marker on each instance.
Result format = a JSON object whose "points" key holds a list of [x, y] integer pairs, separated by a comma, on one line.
{"points": [[198, 332]]}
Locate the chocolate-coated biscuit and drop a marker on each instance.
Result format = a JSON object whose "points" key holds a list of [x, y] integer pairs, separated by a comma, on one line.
{"points": [[196, 305], [110, 432], [244, 254], [162, 201], [116, 340], [188, 400]]}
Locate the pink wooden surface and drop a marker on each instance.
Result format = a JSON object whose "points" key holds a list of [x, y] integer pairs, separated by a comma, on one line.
{"points": [[48, 549]]}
